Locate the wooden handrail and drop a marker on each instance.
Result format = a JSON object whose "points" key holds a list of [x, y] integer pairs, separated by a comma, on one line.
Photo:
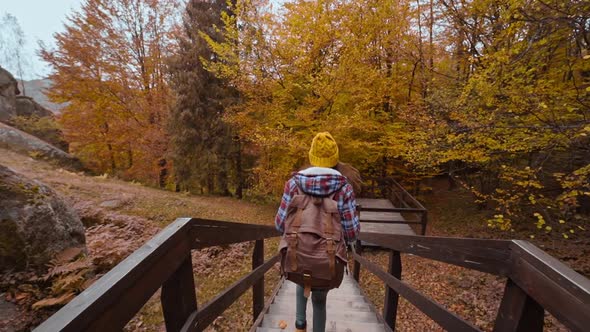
{"points": [[553, 285], [536, 281], [489, 256], [199, 320], [416, 203], [164, 261], [398, 195], [446, 319]]}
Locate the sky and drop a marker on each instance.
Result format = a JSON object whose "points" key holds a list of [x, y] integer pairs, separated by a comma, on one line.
{"points": [[39, 19]]}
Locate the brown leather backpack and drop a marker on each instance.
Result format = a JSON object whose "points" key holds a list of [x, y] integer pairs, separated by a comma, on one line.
{"points": [[313, 249]]}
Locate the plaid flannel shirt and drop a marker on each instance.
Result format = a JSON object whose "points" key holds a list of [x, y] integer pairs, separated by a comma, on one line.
{"points": [[323, 184]]}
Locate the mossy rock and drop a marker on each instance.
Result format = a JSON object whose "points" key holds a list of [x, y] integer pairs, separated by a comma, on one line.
{"points": [[35, 223], [11, 253]]}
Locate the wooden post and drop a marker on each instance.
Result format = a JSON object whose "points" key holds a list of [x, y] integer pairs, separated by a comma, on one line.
{"points": [[424, 221], [518, 312], [356, 269], [391, 296], [258, 287], [178, 297]]}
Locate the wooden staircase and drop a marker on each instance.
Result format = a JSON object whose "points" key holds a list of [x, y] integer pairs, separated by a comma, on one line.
{"points": [[535, 282], [347, 310]]}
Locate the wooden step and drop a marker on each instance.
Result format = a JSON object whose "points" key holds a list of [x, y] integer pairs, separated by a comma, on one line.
{"points": [[333, 292], [342, 288], [331, 304], [273, 320], [347, 310], [336, 327], [331, 297], [359, 316]]}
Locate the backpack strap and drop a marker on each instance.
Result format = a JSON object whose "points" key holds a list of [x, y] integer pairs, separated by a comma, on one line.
{"points": [[329, 235], [293, 239]]}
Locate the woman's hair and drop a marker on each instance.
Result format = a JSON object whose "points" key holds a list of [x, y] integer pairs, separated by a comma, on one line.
{"points": [[352, 174]]}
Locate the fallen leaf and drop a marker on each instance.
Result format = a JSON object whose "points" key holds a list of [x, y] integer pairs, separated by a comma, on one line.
{"points": [[54, 301], [68, 254], [282, 324], [21, 296]]}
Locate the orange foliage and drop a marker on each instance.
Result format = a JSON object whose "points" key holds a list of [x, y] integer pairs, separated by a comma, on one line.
{"points": [[109, 66]]}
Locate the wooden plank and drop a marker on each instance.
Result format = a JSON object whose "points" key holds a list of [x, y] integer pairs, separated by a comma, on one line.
{"points": [[373, 308], [267, 305], [178, 296], [345, 312], [214, 232], [356, 268], [391, 296], [382, 228], [372, 216], [569, 279], [396, 209], [258, 287], [489, 256], [518, 312], [198, 321], [446, 319], [374, 203], [559, 289], [115, 298], [424, 220]]}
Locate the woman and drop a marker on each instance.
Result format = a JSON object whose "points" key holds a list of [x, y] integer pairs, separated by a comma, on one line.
{"points": [[323, 178]]}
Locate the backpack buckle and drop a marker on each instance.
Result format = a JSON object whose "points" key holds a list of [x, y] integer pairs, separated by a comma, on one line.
{"points": [[306, 284]]}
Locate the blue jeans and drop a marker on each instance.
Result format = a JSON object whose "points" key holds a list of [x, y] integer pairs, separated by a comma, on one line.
{"points": [[318, 300]]}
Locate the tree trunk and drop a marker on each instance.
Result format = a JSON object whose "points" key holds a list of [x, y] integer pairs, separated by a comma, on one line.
{"points": [[239, 175]]}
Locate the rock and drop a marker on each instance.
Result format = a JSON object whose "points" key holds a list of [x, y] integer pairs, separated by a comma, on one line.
{"points": [[7, 312], [36, 89], [8, 92], [19, 141], [36, 223], [27, 106], [111, 204]]}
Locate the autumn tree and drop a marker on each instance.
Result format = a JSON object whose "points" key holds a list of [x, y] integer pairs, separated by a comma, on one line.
{"points": [[319, 65], [206, 158], [518, 120], [109, 65], [493, 93]]}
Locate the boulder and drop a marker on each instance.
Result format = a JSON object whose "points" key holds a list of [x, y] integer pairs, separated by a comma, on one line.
{"points": [[27, 106], [35, 223], [19, 141], [8, 92]]}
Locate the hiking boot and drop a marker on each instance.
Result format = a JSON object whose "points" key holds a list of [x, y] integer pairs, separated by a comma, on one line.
{"points": [[301, 328]]}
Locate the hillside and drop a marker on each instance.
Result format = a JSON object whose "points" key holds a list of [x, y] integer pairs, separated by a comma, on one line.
{"points": [[107, 201], [159, 206], [36, 90]]}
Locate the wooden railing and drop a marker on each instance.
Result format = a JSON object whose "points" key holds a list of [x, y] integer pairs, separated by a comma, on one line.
{"points": [[165, 262], [405, 204], [536, 281]]}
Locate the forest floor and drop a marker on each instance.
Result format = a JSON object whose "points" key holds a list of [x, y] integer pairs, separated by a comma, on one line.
{"points": [[472, 295]]}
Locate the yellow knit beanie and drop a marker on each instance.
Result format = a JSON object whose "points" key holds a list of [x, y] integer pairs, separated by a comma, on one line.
{"points": [[323, 151]]}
